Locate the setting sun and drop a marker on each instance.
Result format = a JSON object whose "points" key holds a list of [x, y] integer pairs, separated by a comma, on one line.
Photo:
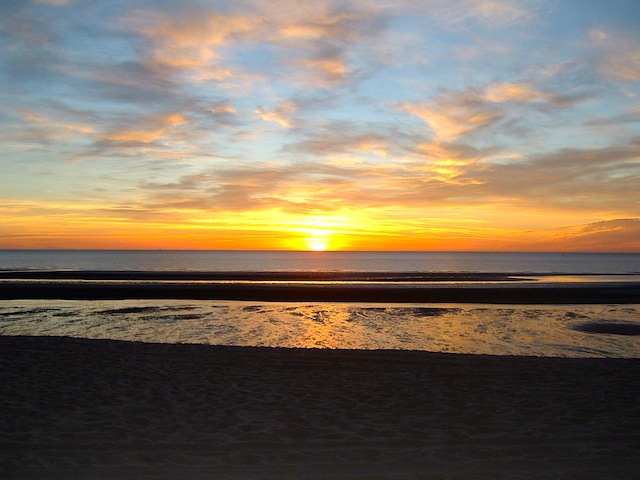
{"points": [[317, 239], [317, 244]]}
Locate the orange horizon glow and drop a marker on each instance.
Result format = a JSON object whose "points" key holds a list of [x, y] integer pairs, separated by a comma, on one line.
{"points": [[300, 233]]}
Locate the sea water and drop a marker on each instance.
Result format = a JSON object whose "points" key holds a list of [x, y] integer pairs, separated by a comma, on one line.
{"points": [[256, 260], [533, 330]]}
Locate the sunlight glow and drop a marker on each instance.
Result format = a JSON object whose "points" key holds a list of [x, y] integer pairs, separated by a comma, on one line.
{"points": [[317, 244], [317, 239]]}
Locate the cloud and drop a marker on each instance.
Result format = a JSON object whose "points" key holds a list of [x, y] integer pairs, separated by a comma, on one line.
{"points": [[325, 68], [618, 54], [599, 182], [496, 12], [596, 180], [454, 114], [625, 64], [349, 142], [37, 127], [55, 3], [448, 163], [628, 116], [244, 188], [222, 113], [189, 39], [316, 44], [312, 45], [491, 13], [281, 114], [597, 35], [28, 49], [333, 145], [148, 130], [513, 92], [617, 235]]}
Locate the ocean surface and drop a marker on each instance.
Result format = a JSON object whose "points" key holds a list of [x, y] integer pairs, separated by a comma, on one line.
{"points": [[293, 261], [535, 330]]}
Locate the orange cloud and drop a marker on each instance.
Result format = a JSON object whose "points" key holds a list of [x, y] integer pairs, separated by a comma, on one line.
{"points": [[222, 109], [617, 235], [327, 69], [453, 116], [189, 41], [43, 127], [513, 92], [311, 40], [155, 129], [456, 113], [317, 26], [281, 114]]}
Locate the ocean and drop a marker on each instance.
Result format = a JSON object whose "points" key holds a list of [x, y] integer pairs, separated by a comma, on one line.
{"points": [[261, 261], [609, 330]]}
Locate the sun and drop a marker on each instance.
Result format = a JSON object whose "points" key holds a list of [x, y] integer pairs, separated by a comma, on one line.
{"points": [[316, 235], [317, 239], [317, 244]]}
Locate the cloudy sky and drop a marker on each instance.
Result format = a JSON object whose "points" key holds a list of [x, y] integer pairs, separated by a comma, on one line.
{"points": [[360, 124]]}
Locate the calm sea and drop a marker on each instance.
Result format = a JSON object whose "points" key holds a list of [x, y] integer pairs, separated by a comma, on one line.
{"points": [[217, 261]]}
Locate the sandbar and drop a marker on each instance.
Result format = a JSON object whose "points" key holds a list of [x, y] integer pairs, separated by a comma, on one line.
{"points": [[496, 293]]}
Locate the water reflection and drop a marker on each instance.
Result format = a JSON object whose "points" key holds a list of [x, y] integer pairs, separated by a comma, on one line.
{"points": [[461, 328]]}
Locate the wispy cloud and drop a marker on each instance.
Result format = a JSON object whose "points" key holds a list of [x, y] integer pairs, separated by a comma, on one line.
{"points": [[314, 42], [618, 235], [56, 3], [493, 13], [43, 128], [280, 114], [455, 114], [619, 54], [597, 180], [333, 140], [188, 39], [451, 116], [150, 130]]}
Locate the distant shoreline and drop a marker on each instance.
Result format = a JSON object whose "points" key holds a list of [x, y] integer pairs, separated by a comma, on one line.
{"points": [[307, 276], [172, 275]]}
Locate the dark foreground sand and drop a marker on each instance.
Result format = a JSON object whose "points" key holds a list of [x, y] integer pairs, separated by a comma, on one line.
{"points": [[85, 409]]}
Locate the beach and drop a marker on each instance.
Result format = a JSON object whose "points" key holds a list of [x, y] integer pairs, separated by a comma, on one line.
{"points": [[348, 375], [79, 408]]}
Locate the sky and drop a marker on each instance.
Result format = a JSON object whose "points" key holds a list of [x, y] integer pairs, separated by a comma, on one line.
{"points": [[476, 125]]}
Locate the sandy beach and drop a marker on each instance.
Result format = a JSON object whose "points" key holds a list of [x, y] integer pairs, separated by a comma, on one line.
{"points": [[77, 408]]}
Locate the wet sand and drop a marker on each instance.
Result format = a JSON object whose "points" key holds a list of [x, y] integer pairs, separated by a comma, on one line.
{"points": [[76, 408], [506, 293]]}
